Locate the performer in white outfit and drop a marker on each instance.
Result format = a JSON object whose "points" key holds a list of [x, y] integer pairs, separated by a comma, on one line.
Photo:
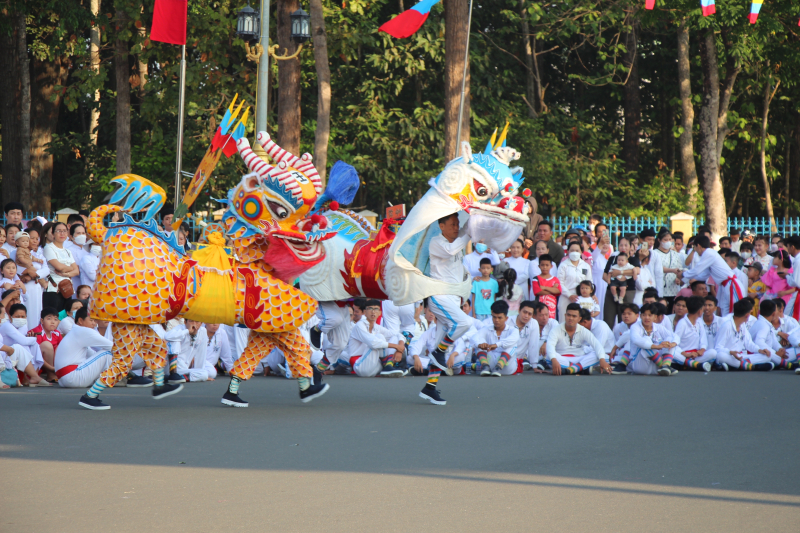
{"points": [[498, 344], [83, 353], [335, 325], [528, 327], [651, 345], [375, 346], [14, 332], [734, 345], [446, 251], [88, 265], [193, 340], [599, 329], [541, 313], [566, 346], [710, 263], [693, 351]]}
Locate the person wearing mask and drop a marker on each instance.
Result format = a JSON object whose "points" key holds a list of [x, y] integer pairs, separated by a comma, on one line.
{"points": [[14, 330], [570, 274], [88, 265], [554, 250], [76, 244], [671, 266], [472, 261], [610, 307]]}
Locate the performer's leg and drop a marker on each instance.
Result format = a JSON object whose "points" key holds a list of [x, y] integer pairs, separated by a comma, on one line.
{"points": [[259, 345], [127, 343], [154, 354], [298, 357]]}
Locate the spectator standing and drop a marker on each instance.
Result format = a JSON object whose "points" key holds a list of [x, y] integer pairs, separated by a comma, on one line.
{"points": [[643, 279], [472, 261], [608, 303], [671, 264], [62, 266], [570, 273], [539, 249], [89, 264], [76, 243], [736, 242], [520, 265], [600, 257], [545, 234], [10, 245], [654, 266]]}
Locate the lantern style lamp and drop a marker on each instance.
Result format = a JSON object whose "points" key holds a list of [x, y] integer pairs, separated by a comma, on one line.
{"points": [[248, 24], [301, 27]]}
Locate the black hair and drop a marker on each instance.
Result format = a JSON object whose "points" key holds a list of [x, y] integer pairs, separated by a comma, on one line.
{"points": [[588, 284], [724, 239], [81, 314], [73, 218], [75, 226], [782, 255], [649, 308], [84, 212], [15, 308], [710, 298], [585, 315], [539, 306], [528, 303], [506, 284], [6, 293], [500, 307], [632, 307], [735, 231], [622, 254], [695, 283], [49, 311], [767, 308], [679, 299], [372, 302], [361, 303], [19, 228], [733, 255], [746, 246], [574, 307], [659, 309], [650, 292], [70, 303], [545, 257], [702, 241], [486, 261], [11, 206], [678, 235], [742, 307], [5, 262], [779, 303], [546, 223], [445, 218], [166, 210], [694, 304], [794, 241]]}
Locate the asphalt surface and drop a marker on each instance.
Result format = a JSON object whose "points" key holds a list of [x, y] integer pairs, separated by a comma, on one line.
{"points": [[698, 452]]}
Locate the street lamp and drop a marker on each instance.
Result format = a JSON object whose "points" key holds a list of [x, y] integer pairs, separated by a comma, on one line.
{"points": [[301, 31], [247, 26]]}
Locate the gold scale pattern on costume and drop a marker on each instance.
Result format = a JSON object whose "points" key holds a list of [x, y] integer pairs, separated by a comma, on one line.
{"points": [[129, 340]]}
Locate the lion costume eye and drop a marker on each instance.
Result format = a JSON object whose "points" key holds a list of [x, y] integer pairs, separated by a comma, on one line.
{"points": [[480, 189], [278, 210]]}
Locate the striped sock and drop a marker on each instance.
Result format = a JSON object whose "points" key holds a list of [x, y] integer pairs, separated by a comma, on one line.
{"points": [[323, 364], [483, 359], [625, 358], [746, 365], [233, 387], [304, 383], [96, 389], [571, 369], [388, 360], [433, 375], [503, 361], [692, 363], [158, 377], [446, 343], [173, 362]]}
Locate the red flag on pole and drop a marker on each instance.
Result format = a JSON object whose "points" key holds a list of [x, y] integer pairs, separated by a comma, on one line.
{"points": [[169, 21]]}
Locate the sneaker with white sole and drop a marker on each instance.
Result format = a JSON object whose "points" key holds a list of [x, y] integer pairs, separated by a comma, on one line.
{"points": [[93, 404], [139, 381], [619, 369], [430, 393], [233, 400], [496, 373], [485, 371], [664, 371], [314, 391], [166, 390], [706, 366]]}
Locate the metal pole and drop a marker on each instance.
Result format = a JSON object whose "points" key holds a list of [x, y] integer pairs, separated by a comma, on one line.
{"points": [[262, 94], [178, 161], [463, 82]]}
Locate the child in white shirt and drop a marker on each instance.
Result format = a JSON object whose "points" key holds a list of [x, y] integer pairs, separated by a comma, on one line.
{"points": [[586, 299], [620, 275]]}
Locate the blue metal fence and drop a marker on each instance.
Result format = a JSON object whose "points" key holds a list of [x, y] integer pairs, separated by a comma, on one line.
{"points": [[617, 226], [759, 225]]}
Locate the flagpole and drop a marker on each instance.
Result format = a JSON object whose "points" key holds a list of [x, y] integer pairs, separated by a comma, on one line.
{"points": [[178, 159], [463, 81]]}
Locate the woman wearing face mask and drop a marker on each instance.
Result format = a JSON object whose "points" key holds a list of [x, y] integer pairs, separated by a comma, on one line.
{"points": [[571, 272], [76, 243], [62, 267], [600, 257], [13, 328], [89, 265], [610, 310], [671, 263], [472, 262]]}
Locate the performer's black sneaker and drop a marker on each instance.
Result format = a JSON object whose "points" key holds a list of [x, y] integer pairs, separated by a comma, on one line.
{"points": [[763, 367], [93, 403], [414, 372], [314, 391], [722, 367], [619, 369], [664, 371], [166, 390], [317, 374], [676, 366], [139, 381], [233, 400], [316, 338], [391, 371], [540, 366], [438, 359], [174, 378], [430, 393]]}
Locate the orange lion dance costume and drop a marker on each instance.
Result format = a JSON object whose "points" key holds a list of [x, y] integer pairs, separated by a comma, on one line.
{"points": [[145, 278]]}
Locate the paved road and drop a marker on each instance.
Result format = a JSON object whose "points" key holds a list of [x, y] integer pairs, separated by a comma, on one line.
{"points": [[697, 452]]}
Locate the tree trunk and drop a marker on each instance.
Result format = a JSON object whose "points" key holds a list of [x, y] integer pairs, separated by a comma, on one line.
{"points": [[140, 64], [46, 102], [633, 105], [94, 58], [24, 112], [667, 125], [122, 70], [323, 132], [763, 151], [688, 169], [716, 217], [456, 17], [288, 81], [9, 117], [530, 75]]}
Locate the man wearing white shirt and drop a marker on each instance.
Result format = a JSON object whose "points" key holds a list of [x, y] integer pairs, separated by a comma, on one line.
{"points": [[88, 265], [690, 334], [765, 334], [654, 266], [566, 343], [541, 313], [499, 344], [375, 346], [734, 345], [651, 345], [421, 346], [446, 252], [472, 262], [335, 324], [218, 351], [793, 247], [710, 263], [83, 353], [599, 329], [528, 344], [193, 340]]}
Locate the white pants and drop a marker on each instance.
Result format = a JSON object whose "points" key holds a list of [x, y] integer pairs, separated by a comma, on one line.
{"points": [[643, 364], [87, 372], [752, 358], [196, 374], [567, 360], [563, 302], [494, 357], [369, 365], [450, 319], [791, 357], [33, 303], [334, 322], [707, 357]]}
